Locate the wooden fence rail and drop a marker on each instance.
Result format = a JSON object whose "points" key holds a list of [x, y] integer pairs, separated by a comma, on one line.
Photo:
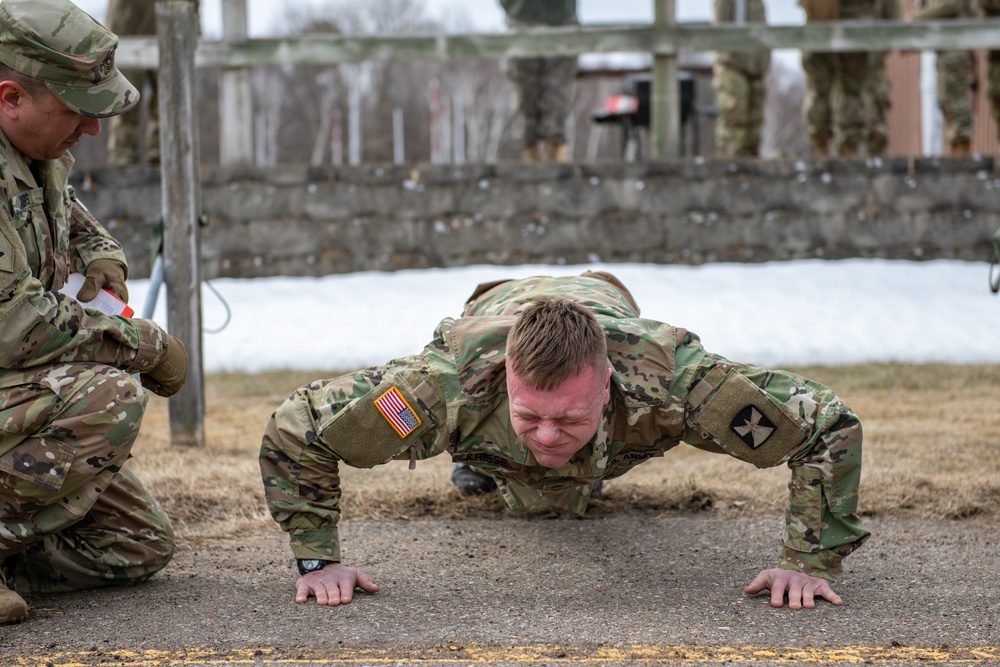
{"points": [[178, 46]]}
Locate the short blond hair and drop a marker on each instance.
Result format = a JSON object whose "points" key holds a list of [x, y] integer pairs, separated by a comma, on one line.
{"points": [[554, 340]]}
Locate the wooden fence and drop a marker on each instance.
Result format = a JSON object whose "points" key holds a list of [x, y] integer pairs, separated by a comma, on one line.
{"points": [[177, 52]]}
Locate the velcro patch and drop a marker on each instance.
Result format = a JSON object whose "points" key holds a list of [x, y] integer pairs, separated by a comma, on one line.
{"points": [[397, 412], [752, 426], [745, 422], [6, 252]]}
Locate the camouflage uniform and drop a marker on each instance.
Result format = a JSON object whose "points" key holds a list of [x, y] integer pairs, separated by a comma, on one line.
{"points": [[665, 389], [544, 86], [991, 8], [847, 99], [135, 18], [72, 515], [955, 71], [740, 88]]}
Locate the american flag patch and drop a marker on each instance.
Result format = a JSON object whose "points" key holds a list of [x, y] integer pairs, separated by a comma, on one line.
{"points": [[397, 412]]}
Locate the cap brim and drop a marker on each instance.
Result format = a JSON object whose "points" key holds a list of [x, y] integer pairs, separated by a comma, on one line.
{"points": [[112, 96]]}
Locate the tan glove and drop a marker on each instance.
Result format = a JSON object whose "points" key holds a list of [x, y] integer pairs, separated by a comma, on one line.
{"points": [[168, 376], [104, 274]]}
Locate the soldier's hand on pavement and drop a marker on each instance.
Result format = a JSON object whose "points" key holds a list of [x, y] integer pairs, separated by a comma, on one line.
{"points": [[800, 588], [333, 585], [169, 374], [104, 274]]}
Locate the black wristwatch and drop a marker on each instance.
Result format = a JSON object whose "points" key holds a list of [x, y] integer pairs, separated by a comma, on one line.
{"points": [[307, 565]]}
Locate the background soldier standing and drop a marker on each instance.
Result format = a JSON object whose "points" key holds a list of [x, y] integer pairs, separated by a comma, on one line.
{"points": [[740, 85], [956, 76], [135, 18], [847, 99], [544, 86], [992, 9], [72, 514]]}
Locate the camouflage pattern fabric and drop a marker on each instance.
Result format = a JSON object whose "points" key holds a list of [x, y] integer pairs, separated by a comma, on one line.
{"points": [[955, 71], [135, 18], [69, 408], [991, 8], [740, 88], [127, 18], [56, 42], [847, 98], [540, 12], [71, 514], [665, 389], [544, 88]]}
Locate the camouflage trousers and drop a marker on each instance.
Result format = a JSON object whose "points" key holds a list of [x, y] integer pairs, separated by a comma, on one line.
{"points": [[544, 89], [124, 130], [847, 101], [72, 514], [955, 70], [740, 99], [991, 8]]}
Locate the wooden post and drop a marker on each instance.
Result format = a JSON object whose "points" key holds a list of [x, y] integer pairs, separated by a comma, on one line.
{"points": [[235, 93], [665, 102], [177, 33]]}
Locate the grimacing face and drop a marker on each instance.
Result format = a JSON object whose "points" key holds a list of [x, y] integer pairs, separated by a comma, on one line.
{"points": [[555, 424]]}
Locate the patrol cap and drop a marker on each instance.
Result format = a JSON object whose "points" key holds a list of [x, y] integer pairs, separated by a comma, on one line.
{"points": [[59, 44]]}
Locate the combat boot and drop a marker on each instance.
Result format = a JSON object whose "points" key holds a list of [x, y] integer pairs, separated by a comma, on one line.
{"points": [[529, 154], [821, 144], [960, 149], [555, 151], [13, 608], [470, 482]]}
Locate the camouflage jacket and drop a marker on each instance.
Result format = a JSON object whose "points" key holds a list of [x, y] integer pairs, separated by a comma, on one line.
{"points": [[665, 389], [540, 12], [46, 233], [852, 10], [947, 9]]}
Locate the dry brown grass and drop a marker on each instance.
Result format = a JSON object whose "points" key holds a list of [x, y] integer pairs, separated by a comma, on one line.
{"points": [[932, 451]]}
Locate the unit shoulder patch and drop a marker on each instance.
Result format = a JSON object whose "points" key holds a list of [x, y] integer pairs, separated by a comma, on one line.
{"points": [[752, 426]]}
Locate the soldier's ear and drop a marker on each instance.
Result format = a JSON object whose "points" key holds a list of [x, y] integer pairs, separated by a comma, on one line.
{"points": [[12, 96]]}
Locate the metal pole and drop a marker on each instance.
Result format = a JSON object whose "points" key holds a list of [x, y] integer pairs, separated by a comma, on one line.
{"points": [[177, 33], [665, 103]]}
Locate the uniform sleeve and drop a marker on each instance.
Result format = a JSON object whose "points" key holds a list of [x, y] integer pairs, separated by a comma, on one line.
{"points": [[769, 417], [88, 238], [395, 411], [40, 327], [821, 522]]}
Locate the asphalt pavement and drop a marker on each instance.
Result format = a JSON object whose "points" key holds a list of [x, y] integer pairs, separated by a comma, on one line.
{"points": [[615, 590]]}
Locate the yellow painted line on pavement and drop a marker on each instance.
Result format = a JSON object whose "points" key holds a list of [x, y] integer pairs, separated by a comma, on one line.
{"points": [[464, 653]]}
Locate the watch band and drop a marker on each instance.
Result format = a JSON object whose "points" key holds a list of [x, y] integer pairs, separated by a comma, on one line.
{"points": [[307, 565]]}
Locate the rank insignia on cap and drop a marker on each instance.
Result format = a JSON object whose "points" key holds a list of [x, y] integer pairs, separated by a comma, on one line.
{"points": [[397, 412], [752, 426]]}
